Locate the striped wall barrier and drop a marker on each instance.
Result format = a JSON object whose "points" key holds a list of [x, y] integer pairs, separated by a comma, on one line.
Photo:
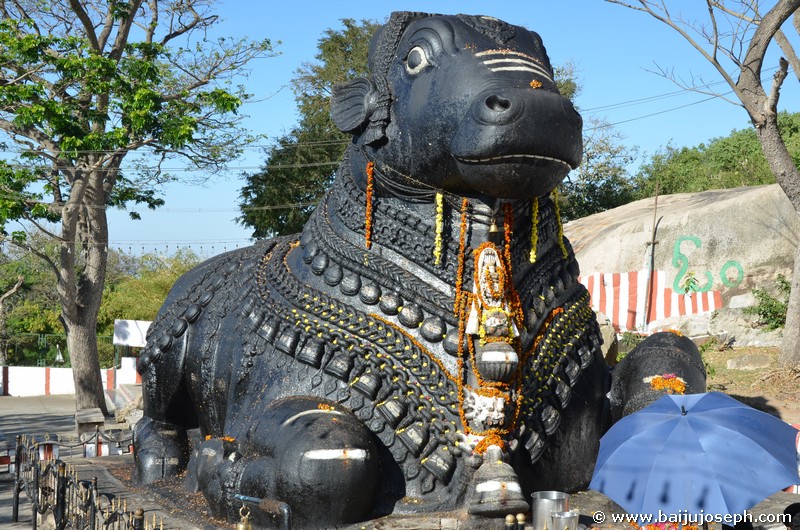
{"points": [[45, 380], [622, 297]]}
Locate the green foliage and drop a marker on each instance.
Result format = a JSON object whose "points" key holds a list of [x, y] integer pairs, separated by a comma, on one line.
{"points": [[83, 85], [136, 287], [138, 296], [771, 309], [704, 348], [601, 182], [29, 349], [726, 162], [278, 199], [690, 284], [95, 99]]}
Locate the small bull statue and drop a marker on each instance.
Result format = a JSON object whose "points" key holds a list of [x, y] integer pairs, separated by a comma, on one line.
{"points": [[424, 344]]}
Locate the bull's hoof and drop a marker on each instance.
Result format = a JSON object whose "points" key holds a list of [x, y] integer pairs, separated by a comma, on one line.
{"points": [[161, 450]]}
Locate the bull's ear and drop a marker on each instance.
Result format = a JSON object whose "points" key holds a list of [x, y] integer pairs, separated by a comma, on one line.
{"points": [[352, 103]]}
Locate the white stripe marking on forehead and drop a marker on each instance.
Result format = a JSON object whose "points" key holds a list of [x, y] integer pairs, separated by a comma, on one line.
{"points": [[520, 69], [521, 65], [509, 52]]}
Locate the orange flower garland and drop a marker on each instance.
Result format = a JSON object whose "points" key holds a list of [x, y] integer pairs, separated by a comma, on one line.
{"points": [[368, 206], [514, 304], [669, 382], [462, 246]]}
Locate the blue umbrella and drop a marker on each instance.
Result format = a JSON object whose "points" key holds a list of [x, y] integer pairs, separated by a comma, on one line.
{"points": [[695, 454]]}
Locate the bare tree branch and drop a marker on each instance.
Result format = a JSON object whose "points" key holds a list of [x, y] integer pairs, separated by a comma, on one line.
{"points": [[771, 103], [665, 18], [10, 292], [788, 51], [88, 27]]}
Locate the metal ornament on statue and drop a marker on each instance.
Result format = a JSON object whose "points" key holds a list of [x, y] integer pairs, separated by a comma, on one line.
{"points": [[244, 523]]}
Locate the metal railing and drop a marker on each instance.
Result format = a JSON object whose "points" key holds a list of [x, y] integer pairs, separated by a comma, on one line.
{"points": [[58, 496]]}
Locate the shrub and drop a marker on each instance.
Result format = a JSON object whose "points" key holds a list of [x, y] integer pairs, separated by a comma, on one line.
{"points": [[771, 310]]}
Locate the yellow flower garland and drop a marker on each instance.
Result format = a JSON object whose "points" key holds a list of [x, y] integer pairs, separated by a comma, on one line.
{"points": [[437, 242], [560, 225], [534, 229]]}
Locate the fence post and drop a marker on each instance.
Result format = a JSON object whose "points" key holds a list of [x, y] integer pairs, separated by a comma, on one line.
{"points": [[138, 519], [60, 512], [93, 504], [36, 493], [17, 483]]}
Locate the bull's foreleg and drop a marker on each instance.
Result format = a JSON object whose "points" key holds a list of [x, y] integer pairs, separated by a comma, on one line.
{"points": [[160, 450], [310, 454], [161, 444]]}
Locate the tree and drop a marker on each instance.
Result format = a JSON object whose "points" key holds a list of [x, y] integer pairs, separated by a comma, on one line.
{"points": [[601, 182], [139, 295], [737, 53], [278, 199], [85, 84]]}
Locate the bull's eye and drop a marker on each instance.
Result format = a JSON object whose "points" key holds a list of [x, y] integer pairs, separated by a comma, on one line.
{"points": [[416, 60]]}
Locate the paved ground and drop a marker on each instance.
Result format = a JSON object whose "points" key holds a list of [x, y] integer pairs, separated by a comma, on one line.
{"points": [[55, 415]]}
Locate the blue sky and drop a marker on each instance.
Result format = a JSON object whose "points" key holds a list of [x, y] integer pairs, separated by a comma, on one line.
{"points": [[615, 50]]}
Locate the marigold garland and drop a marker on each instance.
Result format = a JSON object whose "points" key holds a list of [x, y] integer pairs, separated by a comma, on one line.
{"points": [[534, 229], [437, 242], [492, 438], [222, 438], [669, 382], [368, 207], [560, 224], [462, 246], [514, 304]]}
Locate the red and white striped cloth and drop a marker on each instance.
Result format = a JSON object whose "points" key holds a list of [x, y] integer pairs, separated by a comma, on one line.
{"points": [[621, 297]]}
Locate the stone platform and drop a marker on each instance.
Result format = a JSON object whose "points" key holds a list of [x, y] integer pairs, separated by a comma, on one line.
{"points": [[183, 511]]}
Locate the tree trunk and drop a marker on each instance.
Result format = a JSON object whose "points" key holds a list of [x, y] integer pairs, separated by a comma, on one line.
{"points": [[788, 177], [81, 281], [790, 349], [82, 346], [780, 160]]}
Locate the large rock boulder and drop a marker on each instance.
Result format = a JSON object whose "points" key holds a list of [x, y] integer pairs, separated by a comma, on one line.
{"points": [[728, 241]]}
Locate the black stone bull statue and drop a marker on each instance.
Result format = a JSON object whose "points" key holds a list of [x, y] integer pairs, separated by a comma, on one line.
{"points": [[424, 344]]}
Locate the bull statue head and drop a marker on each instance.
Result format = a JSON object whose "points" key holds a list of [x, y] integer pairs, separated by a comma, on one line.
{"points": [[466, 104]]}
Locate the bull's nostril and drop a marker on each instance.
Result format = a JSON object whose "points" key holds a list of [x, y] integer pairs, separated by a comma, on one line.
{"points": [[498, 104]]}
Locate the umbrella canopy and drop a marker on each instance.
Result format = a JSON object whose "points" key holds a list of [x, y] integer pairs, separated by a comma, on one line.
{"points": [[695, 454]]}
